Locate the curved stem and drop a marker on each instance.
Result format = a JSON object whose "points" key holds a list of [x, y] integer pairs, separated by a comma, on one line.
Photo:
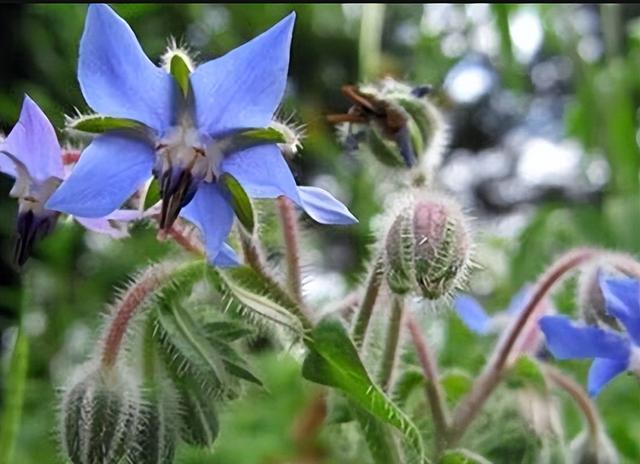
{"points": [[624, 263], [433, 389], [292, 251], [579, 396], [391, 343], [11, 414], [363, 316], [150, 281], [472, 403]]}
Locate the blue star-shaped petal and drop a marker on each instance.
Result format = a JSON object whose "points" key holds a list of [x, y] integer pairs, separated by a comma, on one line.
{"points": [[185, 145]]}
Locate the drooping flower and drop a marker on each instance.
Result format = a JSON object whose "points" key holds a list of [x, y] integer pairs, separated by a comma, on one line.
{"points": [[32, 156], [187, 127], [612, 352], [476, 319]]}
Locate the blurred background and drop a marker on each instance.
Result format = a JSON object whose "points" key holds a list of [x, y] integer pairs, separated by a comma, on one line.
{"points": [[542, 103]]}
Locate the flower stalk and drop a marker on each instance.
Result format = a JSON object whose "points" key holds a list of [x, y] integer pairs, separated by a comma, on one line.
{"points": [[432, 386], [363, 316], [392, 342], [492, 374], [292, 250]]}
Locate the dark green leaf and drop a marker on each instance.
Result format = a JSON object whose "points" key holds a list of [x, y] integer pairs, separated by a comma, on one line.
{"points": [[199, 419], [226, 330], [333, 360], [98, 124], [240, 201]]}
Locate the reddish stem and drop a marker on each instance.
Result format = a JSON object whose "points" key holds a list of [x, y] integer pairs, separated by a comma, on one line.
{"points": [[151, 280], [292, 250], [433, 389], [492, 373]]}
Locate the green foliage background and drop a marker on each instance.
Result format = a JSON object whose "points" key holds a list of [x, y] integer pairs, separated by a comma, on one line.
{"points": [[75, 273]]}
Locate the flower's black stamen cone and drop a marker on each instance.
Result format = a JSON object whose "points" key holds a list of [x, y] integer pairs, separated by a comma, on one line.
{"points": [[31, 228], [177, 188]]}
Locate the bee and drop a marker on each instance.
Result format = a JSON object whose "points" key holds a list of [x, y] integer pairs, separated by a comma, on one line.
{"points": [[385, 115]]}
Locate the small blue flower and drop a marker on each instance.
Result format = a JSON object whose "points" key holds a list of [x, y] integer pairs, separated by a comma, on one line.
{"points": [[612, 352], [477, 320], [186, 141], [33, 157]]}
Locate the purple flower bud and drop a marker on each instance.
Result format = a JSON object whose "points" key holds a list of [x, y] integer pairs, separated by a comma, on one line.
{"points": [[428, 248]]}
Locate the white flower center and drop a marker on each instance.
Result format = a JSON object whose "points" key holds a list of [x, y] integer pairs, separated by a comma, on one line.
{"points": [[183, 148]]}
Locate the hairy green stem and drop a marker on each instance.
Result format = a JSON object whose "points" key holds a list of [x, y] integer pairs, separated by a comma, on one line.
{"points": [[492, 374], [289, 223], [391, 343], [363, 315], [579, 396], [370, 41], [11, 415], [433, 389]]}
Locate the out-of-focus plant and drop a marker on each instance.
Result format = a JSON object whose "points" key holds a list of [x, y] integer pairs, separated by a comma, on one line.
{"points": [[195, 152]]}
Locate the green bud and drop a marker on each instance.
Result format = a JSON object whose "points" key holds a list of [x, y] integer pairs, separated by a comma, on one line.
{"points": [[587, 449], [427, 248], [400, 125], [157, 434], [99, 412]]}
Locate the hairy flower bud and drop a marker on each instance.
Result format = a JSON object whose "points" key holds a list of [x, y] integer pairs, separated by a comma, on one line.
{"points": [[157, 434], [99, 412], [584, 449], [590, 298], [399, 125], [427, 248]]}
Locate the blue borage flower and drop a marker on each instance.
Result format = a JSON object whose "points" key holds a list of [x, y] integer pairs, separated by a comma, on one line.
{"points": [[476, 319], [612, 352], [186, 140], [32, 156]]}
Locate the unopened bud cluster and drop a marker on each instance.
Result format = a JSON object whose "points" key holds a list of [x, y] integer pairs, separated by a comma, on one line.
{"points": [[427, 248], [396, 122], [99, 413]]}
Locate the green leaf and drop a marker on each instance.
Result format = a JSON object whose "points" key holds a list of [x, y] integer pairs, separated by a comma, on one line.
{"points": [[263, 135], [180, 71], [240, 201], [152, 195], [526, 372], [462, 456], [188, 346], [199, 419], [14, 396], [456, 383], [379, 437], [226, 330], [333, 361], [98, 124], [247, 292]]}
